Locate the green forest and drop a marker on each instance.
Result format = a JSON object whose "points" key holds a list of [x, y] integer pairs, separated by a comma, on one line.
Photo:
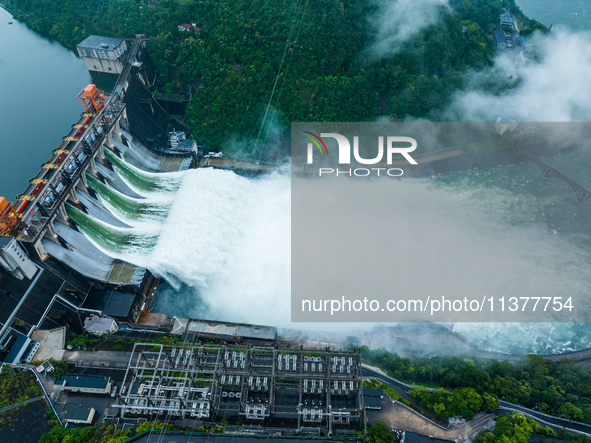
{"points": [[17, 386], [288, 60], [108, 433], [518, 428], [557, 388]]}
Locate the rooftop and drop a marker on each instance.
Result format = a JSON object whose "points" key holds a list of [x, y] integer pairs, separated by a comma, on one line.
{"points": [[113, 303], [17, 350], [177, 134], [189, 26], [96, 42], [83, 381], [372, 402], [232, 329], [373, 392], [95, 323], [75, 411], [186, 144]]}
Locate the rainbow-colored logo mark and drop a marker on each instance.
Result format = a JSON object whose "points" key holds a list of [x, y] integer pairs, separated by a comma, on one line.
{"points": [[316, 142]]}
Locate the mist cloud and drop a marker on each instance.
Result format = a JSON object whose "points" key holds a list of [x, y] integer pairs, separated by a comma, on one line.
{"points": [[554, 90], [397, 21]]}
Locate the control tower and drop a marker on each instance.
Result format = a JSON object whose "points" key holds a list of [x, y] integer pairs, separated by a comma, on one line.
{"points": [[103, 54]]}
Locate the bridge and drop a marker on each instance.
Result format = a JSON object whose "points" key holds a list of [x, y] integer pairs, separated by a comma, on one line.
{"points": [[131, 62], [548, 171]]}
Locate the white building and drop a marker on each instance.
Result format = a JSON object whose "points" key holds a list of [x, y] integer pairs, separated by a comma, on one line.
{"points": [[185, 27], [178, 142], [75, 413], [22, 351], [510, 120], [100, 326], [103, 54], [15, 260], [84, 384]]}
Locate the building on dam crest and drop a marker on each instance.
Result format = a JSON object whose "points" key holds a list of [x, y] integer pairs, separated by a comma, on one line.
{"points": [[103, 54]]}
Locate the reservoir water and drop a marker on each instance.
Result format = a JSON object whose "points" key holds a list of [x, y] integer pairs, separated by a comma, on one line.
{"points": [[573, 14], [222, 242], [39, 82]]}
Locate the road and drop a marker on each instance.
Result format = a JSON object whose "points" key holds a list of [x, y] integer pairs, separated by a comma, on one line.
{"points": [[403, 392], [368, 371], [576, 355], [546, 420], [397, 416], [553, 422], [98, 359]]}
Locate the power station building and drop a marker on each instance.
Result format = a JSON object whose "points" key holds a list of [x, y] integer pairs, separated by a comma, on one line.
{"points": [[84, 383], [103, 54]]}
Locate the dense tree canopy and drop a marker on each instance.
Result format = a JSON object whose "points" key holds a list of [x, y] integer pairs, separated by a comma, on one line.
{"points": [[17, 386], [380, 432], [462, 401], [518, 428], [557, 388], [291, 60]]}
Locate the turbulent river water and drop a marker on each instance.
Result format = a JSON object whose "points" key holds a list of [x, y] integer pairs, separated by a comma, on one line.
{"points": [[222, 242]]}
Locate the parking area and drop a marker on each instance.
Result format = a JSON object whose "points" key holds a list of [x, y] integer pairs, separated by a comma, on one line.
{"points": [[51, 344], [98, 359]]}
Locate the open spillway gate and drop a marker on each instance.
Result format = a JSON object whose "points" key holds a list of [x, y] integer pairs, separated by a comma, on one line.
{"points": [[39, 220], [43, 201]]}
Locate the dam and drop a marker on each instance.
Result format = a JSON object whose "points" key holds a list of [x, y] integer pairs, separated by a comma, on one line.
{"points": [[79, 175], [65, 241], [48, 265]]}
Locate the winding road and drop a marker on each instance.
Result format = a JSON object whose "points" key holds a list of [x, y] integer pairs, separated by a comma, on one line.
{"points": [[546, 420]]}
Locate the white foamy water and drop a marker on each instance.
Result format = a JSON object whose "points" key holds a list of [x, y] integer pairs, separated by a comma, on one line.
{"points": [[520, 338], [225, 247], [227, 237]]}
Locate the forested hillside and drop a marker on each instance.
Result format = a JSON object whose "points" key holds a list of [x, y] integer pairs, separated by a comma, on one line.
{"points": [[558, 388], [293, 60]]}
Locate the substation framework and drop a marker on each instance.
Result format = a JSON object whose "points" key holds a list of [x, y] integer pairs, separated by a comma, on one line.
{"points": [[318, 388]]}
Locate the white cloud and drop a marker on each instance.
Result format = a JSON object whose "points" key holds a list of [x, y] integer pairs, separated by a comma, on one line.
{"points": [[397, 21], [555, 90]]}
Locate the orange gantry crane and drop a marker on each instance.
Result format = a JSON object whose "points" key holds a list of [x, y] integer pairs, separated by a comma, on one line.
{"points": [[93, 98], [9, 219]]}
